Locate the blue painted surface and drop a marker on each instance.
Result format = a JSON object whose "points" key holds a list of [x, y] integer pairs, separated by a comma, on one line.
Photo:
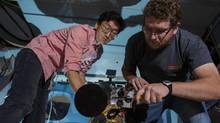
{"points": [[73, 115]]}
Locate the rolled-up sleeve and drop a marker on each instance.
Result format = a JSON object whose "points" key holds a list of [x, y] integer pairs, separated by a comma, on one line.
{"points": [[197, 53], [73, 49]]}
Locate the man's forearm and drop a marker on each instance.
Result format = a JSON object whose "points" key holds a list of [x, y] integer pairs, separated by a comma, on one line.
{"points": [[206, 85], [76, 80], [127, 74], [199, 90]]}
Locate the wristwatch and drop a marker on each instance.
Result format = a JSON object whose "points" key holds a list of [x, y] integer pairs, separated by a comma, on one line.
{"points": [[168, 84]]}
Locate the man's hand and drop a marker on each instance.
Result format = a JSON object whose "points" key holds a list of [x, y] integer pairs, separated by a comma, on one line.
{"points": [[152, 93], [138, 83]]}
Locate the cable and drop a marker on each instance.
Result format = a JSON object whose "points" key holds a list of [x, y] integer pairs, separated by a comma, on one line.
{"points": [[51, 100], [51, 106]]}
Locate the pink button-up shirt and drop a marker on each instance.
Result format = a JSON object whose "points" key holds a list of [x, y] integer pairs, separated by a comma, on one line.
{"points": [[73, 48]]}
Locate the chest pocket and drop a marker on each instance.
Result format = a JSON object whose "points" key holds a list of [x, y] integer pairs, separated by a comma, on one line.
{"points": [[176, 67]]}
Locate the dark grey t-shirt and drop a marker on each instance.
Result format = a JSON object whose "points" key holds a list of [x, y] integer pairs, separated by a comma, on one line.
{"points": [[175, 62]]}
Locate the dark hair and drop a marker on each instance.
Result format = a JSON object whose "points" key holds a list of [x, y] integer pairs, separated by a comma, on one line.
{"points": [[114, 16], [164, 9]]}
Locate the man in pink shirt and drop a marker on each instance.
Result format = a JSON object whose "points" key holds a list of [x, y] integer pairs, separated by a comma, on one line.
{"points": [[75, 49]]}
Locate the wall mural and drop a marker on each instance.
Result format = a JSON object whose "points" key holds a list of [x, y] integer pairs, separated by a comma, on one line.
{"points": [[48, 15], [85, 11], [63, 13]]}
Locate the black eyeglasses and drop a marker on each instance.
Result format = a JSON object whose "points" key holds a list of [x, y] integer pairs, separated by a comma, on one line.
{"points": [[107, 29], [160, 33]]}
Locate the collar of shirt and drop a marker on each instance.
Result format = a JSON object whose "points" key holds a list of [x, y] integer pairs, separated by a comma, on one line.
{"points": [[91, 35]]}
